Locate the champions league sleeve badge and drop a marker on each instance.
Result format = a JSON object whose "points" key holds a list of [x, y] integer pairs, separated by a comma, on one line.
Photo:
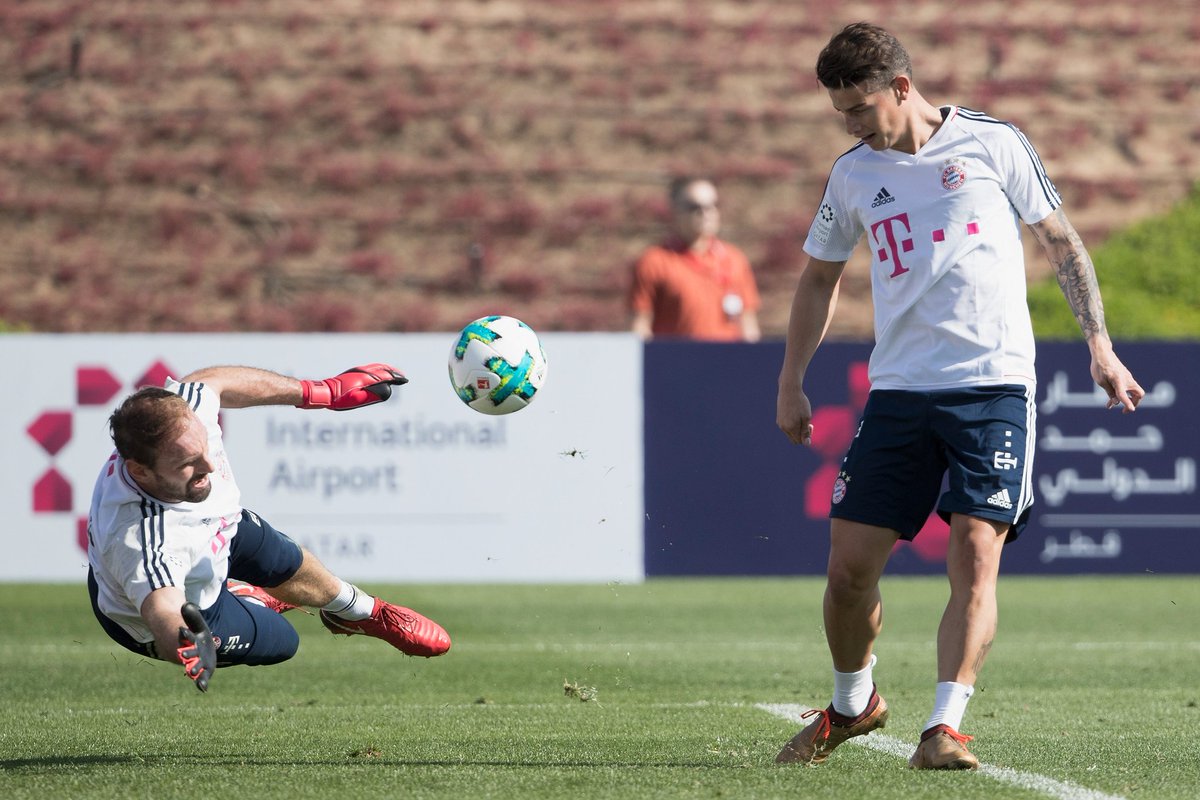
{"points": [[823, 224]]}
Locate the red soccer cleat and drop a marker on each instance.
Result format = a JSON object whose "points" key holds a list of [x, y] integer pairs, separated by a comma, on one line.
{"points": [[256, 594], [402, 628]]}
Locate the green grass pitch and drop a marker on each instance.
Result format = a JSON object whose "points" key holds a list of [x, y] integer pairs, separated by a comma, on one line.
{"points": [[656, 690]]}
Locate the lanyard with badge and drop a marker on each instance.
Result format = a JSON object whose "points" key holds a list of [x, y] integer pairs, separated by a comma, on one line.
{"points": [[722, 272]]}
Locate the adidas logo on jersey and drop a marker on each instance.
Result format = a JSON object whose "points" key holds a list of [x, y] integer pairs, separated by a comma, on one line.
{"points": [[883, 198], [1000, 499]]}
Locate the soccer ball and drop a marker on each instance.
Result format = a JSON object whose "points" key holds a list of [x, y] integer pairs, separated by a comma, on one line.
{"points": [[497, 365]]}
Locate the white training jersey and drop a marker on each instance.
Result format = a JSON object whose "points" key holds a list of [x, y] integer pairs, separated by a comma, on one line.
{"points": [[137, 544], [947, 266]]}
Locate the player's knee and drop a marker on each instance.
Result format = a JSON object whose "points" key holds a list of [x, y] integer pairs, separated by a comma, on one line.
{"points": [[846, 584]]}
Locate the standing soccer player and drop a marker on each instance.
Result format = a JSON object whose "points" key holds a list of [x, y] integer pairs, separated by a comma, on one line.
{"points": [[940, 194], [180, 571]]}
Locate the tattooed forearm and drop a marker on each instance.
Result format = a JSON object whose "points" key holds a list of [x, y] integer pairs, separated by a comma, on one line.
{"points": [[1077, 279], [1074, 270]]}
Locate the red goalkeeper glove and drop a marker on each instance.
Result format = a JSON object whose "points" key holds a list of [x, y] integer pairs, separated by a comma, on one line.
{"points": [[197, 650], [358, 386]]}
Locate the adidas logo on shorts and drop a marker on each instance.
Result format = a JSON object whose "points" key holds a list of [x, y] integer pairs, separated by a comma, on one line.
{"points": [[1000, 499]]}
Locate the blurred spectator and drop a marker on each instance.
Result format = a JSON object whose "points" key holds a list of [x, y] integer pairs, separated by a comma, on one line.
{"points": [[693, 284]]}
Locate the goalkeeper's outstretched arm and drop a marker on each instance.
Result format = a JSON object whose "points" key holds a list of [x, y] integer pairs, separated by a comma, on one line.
{"points": [[243, 387]]}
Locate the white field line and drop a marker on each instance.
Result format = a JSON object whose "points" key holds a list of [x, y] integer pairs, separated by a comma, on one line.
{"points": [[1060, 790]]}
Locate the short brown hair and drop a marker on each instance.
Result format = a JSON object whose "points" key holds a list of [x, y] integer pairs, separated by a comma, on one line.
{"points": [[863, 56], [145, 421]]}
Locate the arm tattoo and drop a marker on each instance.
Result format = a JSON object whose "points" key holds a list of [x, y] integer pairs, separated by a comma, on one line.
{"points": [[1075, 272]]}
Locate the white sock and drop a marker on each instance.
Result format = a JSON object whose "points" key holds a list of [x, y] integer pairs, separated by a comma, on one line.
{"points": [[351, 603], [852, 690], [949, 705]]}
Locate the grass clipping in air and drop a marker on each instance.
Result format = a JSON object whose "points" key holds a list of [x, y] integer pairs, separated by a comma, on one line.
{"points": [[584, 694]]}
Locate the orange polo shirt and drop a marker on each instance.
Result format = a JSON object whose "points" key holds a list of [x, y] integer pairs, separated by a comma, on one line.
{"points": [[685, 292]]}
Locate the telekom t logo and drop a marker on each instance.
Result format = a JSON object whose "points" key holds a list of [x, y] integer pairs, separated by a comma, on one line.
{"points": [[893, 236]]}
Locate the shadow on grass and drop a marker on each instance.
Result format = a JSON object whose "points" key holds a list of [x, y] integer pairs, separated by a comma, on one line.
{"points": [[50, 763], [68, 761]]}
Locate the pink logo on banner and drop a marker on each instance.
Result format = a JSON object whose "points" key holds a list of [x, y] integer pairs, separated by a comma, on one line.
{"points": [[52, 430], [95, 386], [155, 376], [52, 492]]}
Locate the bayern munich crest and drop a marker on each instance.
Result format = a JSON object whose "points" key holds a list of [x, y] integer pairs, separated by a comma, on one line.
{"points": [[839, 489], [953, 176]]}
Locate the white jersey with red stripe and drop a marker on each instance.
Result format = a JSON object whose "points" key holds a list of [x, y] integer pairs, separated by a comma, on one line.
{"points": [[137, 543], [947, 265]]}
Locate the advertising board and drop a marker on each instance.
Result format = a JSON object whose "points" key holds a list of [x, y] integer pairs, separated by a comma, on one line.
{"points": [[420, 488], [727, 494]]}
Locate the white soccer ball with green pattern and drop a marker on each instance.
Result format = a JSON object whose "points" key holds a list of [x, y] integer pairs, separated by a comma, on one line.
{"points": [[497, 365]]}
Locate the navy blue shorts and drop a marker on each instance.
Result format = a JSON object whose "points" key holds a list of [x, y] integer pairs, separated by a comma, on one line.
{"points": [[976, 443], [249, 633]]}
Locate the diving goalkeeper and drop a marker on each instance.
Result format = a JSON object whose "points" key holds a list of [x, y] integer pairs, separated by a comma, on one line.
{"points": [[180, 571]]}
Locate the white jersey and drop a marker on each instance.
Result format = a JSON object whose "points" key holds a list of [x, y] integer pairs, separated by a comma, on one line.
{"points": [[947, 266], [137, 544]]}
